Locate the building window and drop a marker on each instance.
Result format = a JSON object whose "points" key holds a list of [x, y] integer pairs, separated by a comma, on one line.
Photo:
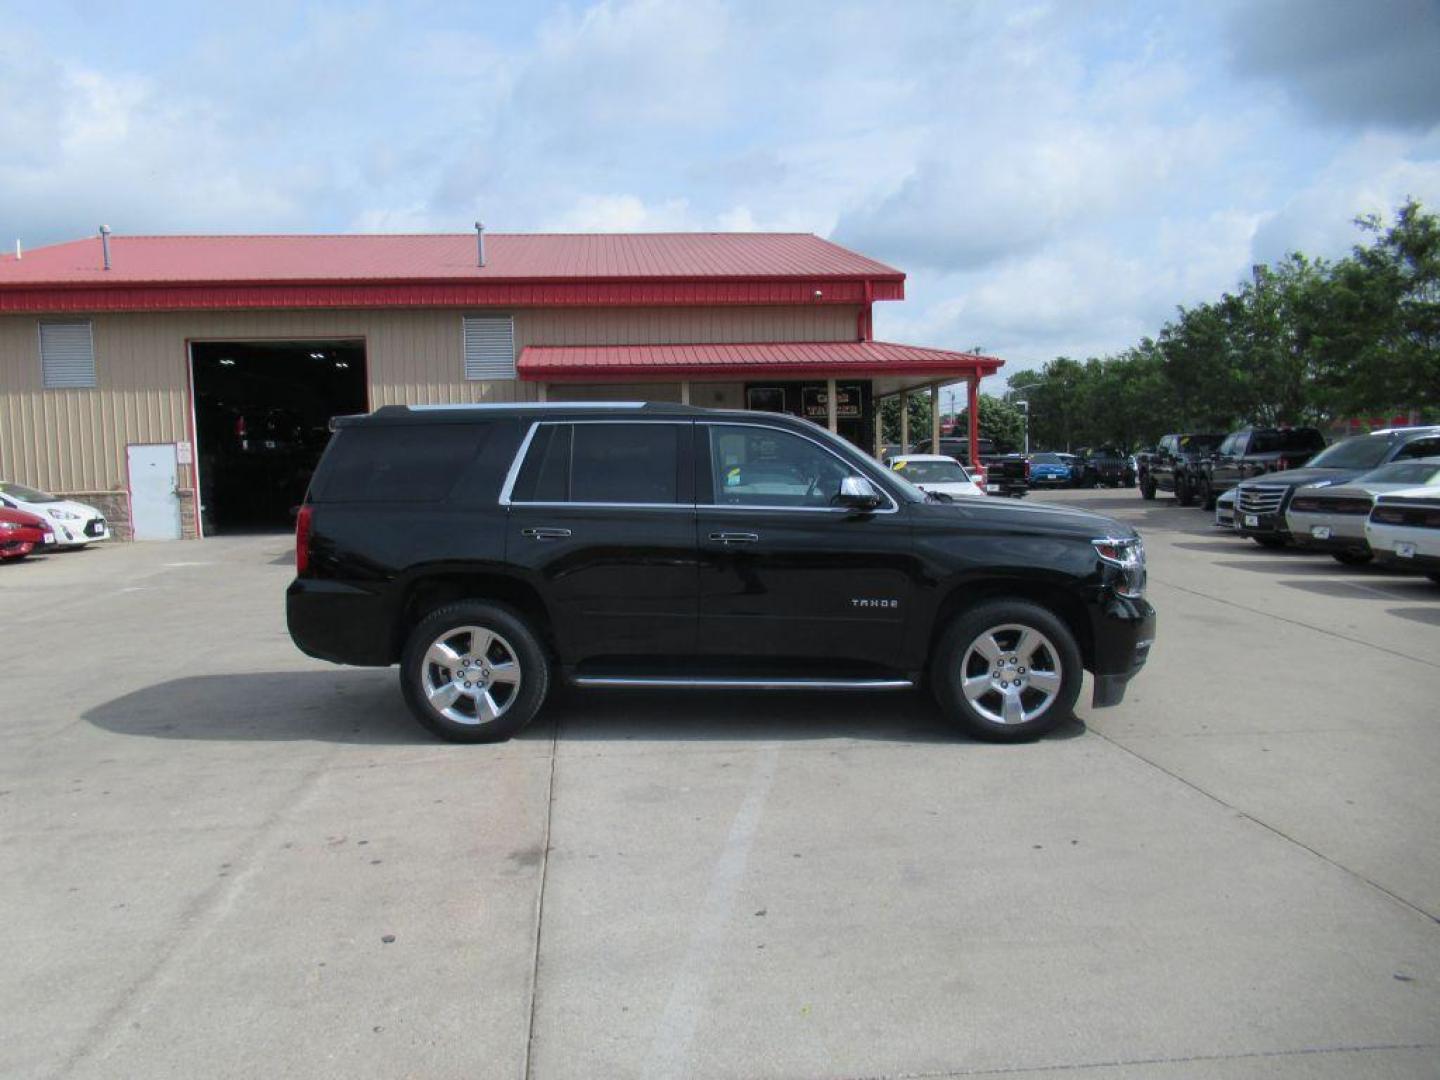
{"points": [[67, 354], [489, 347]]}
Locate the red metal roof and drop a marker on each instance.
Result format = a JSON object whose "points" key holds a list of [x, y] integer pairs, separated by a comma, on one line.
{"points": [[439, 257], [580, 363]]}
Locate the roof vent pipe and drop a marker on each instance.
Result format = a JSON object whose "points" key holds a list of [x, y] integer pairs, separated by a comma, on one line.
{"points": [[480, 241], [19, 254], [105, 244]]}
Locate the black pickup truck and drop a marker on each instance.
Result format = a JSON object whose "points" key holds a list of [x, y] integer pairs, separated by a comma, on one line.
{"points": [[491, 550], [1174, 463], [1252, 452], [1005, 474]]}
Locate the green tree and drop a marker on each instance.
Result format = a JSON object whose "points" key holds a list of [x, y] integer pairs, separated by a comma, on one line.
{"points": [[1000, 422]]}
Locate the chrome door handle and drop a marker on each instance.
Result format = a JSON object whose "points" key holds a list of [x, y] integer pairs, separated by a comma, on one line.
{"points": [[544, 533], [735, 537]]}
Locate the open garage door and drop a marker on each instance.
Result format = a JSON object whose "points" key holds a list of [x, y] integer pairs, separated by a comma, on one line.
{"points": [[262, 419]]}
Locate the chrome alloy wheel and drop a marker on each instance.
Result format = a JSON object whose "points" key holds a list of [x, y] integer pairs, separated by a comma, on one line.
{"points": [[470, 675], [1011, 674]]}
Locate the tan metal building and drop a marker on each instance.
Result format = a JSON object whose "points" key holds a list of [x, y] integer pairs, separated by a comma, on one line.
{"points": [[159, 376]]}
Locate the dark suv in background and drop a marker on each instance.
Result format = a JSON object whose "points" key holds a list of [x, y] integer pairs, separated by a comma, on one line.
{"points": [[1252, 452], [1173, 465], [1260, 503], [491, 550]]}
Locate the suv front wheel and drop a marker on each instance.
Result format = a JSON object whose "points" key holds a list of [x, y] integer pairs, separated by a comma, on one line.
{"points": [[1007, 671], [474, 672]]}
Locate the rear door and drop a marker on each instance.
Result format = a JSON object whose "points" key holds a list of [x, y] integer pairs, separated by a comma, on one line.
{"points": [[787, 577], [602, 514]]}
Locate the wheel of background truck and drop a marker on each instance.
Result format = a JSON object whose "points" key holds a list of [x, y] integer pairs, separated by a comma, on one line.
{"points": [[1147, 490], [1007, 671], [1183, 494], [1205, 494], [1352, 558], [474, 672], [1271, 542], [1434, 577]]}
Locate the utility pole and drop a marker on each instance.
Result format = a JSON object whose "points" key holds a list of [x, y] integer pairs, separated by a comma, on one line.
{"points": [[1025, 405]]}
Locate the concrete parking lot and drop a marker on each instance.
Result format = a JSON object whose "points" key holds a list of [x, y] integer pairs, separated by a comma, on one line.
{"points": [[220, 858]]}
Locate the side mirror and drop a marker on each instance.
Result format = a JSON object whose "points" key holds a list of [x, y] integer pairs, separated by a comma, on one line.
{"points": [[858, 493]]}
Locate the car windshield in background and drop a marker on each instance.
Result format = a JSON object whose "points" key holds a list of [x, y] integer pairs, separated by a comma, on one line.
{"points": [[1288, 442], [1361, 453], [1201, 442], [1418, 473], [26, 494], [931, 472], [1047, 459]]}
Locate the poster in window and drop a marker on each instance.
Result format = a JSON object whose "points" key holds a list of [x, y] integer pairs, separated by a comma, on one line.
{"points": [[847, 403]]}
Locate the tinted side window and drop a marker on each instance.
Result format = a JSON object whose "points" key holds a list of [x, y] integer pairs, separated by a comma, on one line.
{"points": [[625, 463], [397, 462], [1417, 448], [755, 466], [601, 463]]}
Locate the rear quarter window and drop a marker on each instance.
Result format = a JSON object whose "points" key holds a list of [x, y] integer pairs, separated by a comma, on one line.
{"points": [[400, 463]]}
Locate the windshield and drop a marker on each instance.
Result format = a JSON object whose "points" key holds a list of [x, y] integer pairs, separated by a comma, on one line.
{"points": [[25, 494], [1364, 452], [931, 472], [1200, 442], [1416, 473], [1047, 459]]}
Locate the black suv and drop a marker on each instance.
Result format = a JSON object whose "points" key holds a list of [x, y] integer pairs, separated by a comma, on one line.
{"points": [[1106, 466], [1260, 504], [1173, 464], [491, 549]]}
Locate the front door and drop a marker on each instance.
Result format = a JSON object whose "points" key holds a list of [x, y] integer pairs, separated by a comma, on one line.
{"points": [[154, 494], [786, 576], [602, 512]]}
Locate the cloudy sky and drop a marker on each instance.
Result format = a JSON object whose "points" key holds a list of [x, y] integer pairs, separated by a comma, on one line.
{"points": [[1054, 177]]}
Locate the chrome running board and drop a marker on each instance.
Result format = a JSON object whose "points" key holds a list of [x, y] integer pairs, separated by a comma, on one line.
{"points": [[712, 683]]}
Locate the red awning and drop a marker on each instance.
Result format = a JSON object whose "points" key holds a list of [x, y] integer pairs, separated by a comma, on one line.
{"points": [[799, 359]]}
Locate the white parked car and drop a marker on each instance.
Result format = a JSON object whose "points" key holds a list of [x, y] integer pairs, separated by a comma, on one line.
{"points": [[1225, 511], [938, 474], [75, 524], [1404, 530], [1330, 517]]}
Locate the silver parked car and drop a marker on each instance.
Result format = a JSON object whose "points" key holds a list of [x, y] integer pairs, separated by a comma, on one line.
{"points": [[1225, 510], [1330, 517]]}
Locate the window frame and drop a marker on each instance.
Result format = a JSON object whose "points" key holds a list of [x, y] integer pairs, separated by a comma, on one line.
{"points": [[703, 465], [685, 499]]}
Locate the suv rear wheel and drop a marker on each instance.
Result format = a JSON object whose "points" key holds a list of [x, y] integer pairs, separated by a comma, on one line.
{"points": [[1007, 671], [1183, 494], [474, 672]]}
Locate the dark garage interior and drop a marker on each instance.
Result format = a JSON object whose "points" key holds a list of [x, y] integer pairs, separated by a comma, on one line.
{"points": [[262, 418]]}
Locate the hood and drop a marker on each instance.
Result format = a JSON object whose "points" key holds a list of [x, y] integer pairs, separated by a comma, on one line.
{"points": [[24, 517], [1360, 490], [1296, 477], [1026, 517]]}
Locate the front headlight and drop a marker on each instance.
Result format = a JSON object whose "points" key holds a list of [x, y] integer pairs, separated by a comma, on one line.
{"points": [[1127, 555], [64, 515]]}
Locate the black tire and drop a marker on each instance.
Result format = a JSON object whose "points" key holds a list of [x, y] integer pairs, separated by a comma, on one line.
{"points": [[512, 634], [1183, 493], [1352, 558], [1271, 542], [1205, 494], [1434, 577], [1147, 490], [1058, 653]]}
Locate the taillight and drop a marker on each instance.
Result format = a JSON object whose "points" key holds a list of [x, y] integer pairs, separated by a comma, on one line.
{"points": [[302, 540], [1282, 464]]}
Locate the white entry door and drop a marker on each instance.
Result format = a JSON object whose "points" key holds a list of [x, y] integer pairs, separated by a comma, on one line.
{"points": [[154, 497]]}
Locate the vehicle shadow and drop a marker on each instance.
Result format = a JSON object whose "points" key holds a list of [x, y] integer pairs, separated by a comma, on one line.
{"points": [[1427, 615], [619, 715], [358, 706], [365, 707]]}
